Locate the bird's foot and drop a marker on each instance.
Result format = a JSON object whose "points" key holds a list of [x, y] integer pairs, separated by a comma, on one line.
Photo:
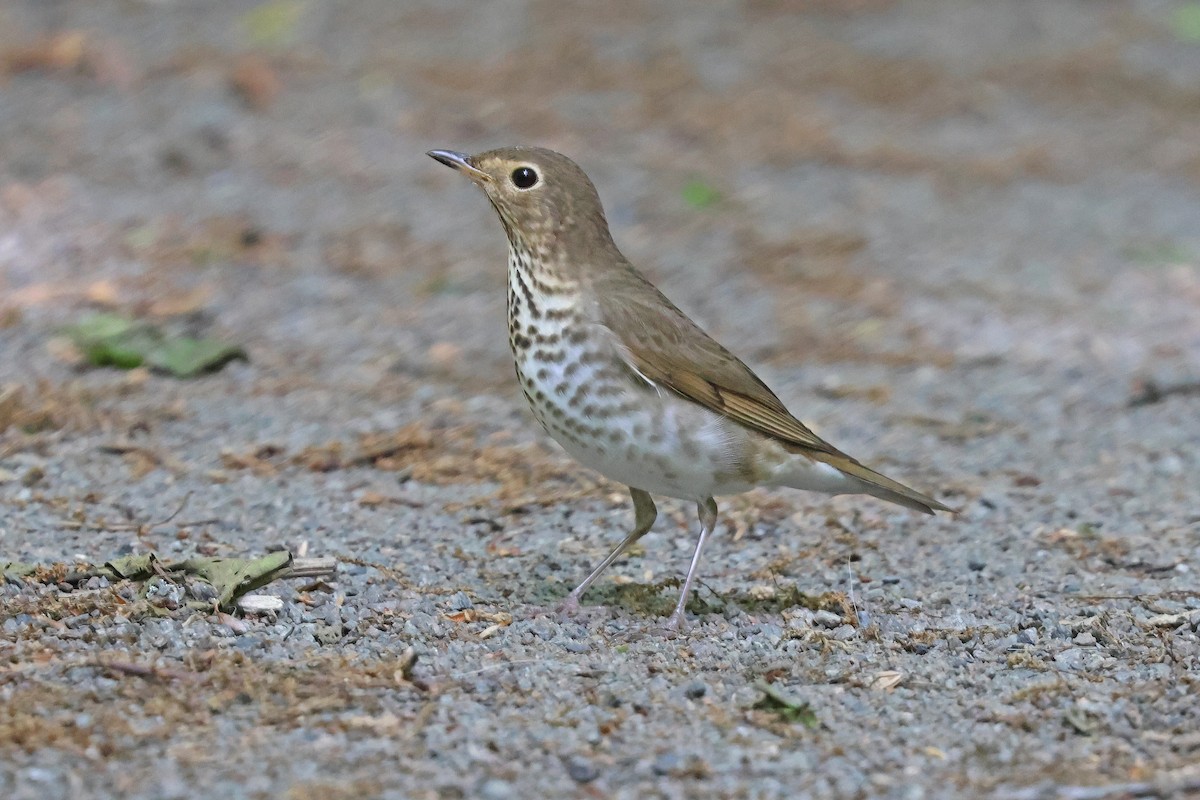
{"points": [[568, 607], [675, 625]]}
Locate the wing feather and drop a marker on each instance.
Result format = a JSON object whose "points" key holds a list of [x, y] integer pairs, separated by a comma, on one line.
{"points": [[664, 346]]}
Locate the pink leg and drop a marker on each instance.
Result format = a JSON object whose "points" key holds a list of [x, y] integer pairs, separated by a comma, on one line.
{"points": [[644, 516], [708, 521]]}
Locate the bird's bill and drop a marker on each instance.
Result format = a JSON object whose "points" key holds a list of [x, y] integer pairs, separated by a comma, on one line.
{"points": [[460, 162]]}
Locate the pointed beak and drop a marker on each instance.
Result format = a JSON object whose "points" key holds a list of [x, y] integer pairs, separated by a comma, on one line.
{"points": [[462, 163]]}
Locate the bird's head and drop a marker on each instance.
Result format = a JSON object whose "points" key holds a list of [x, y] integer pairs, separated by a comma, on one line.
{"points": [[545, 201]]}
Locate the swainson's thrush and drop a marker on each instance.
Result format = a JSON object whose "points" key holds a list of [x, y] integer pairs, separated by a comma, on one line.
{"points": [[623, 380]]}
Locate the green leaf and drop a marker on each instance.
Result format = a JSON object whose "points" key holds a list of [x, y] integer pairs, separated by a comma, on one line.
{"points": [[230, 577], [789, 708], [186, 357], [135, 567], [272, 24], [112, 340], [1159, 253], [17, 569], [100, 327], [1186, 22], [233, 577], [698, 194]]}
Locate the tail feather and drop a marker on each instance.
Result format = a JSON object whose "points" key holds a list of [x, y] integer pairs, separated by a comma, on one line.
{"points": [[881, 486]]}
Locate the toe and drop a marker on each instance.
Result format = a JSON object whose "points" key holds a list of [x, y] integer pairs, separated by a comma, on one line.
{"points": [[675, 625], [569, 607]]}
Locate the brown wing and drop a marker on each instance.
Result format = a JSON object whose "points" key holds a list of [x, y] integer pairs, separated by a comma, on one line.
{"points": [[669, 349]]}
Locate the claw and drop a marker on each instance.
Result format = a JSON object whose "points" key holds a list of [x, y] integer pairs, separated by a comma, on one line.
{"points": [[570, 606], [675, 625]]}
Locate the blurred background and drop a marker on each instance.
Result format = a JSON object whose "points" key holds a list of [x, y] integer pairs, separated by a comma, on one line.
{"points": [[241, 310], [836, 180]]}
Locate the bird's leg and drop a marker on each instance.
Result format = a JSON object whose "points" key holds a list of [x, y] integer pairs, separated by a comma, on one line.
{"points": [[644, 516], [708, 521]]}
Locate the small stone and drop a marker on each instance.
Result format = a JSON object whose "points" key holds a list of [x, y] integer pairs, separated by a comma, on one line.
{"points": [[695, 690], [976, 565], [542, 629], [1073, 658], [328, 634], [203, 591], [1085, 639], [459, 601], [496, 789], [259, 604], [576, 647], [333, 615], [581, 770], [827, 619], [845, 633], [665, 764]]}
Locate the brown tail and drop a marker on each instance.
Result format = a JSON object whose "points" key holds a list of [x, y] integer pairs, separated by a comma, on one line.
{"points": [[882, 486]]}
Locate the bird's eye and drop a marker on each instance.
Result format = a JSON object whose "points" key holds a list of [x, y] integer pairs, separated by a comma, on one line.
{"points": [[524, 177]]}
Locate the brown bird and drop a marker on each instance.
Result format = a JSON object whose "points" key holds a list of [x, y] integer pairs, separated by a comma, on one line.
{"points": [[623, 380]]}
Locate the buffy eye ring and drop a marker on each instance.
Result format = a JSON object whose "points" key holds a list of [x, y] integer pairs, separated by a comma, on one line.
{"points": [[524, 177]]}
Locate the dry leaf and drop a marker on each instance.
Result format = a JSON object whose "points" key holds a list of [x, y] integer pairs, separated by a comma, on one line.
{"points": [[255, 81], [887, 680]]}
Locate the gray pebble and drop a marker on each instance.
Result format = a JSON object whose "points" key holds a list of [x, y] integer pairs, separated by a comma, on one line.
{"points": [[845, 632], [203, 591], [665, 764], [333, 615], [496, 789], [581, 770], [1077, 658], [543, 629], [328, 634], [826, 619]]}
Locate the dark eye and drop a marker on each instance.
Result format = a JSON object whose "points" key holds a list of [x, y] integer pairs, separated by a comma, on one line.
{"points": [[524, 177]]}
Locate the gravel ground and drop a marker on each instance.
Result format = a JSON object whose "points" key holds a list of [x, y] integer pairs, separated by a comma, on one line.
{"points": [[961, 239]]}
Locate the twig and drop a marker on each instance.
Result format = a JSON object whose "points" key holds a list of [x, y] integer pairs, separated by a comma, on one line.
{"points": [[1151, 391], [140, 527], [141, 670], [1092, 598], [174, 514], [1179, 783], [311, 567]]}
